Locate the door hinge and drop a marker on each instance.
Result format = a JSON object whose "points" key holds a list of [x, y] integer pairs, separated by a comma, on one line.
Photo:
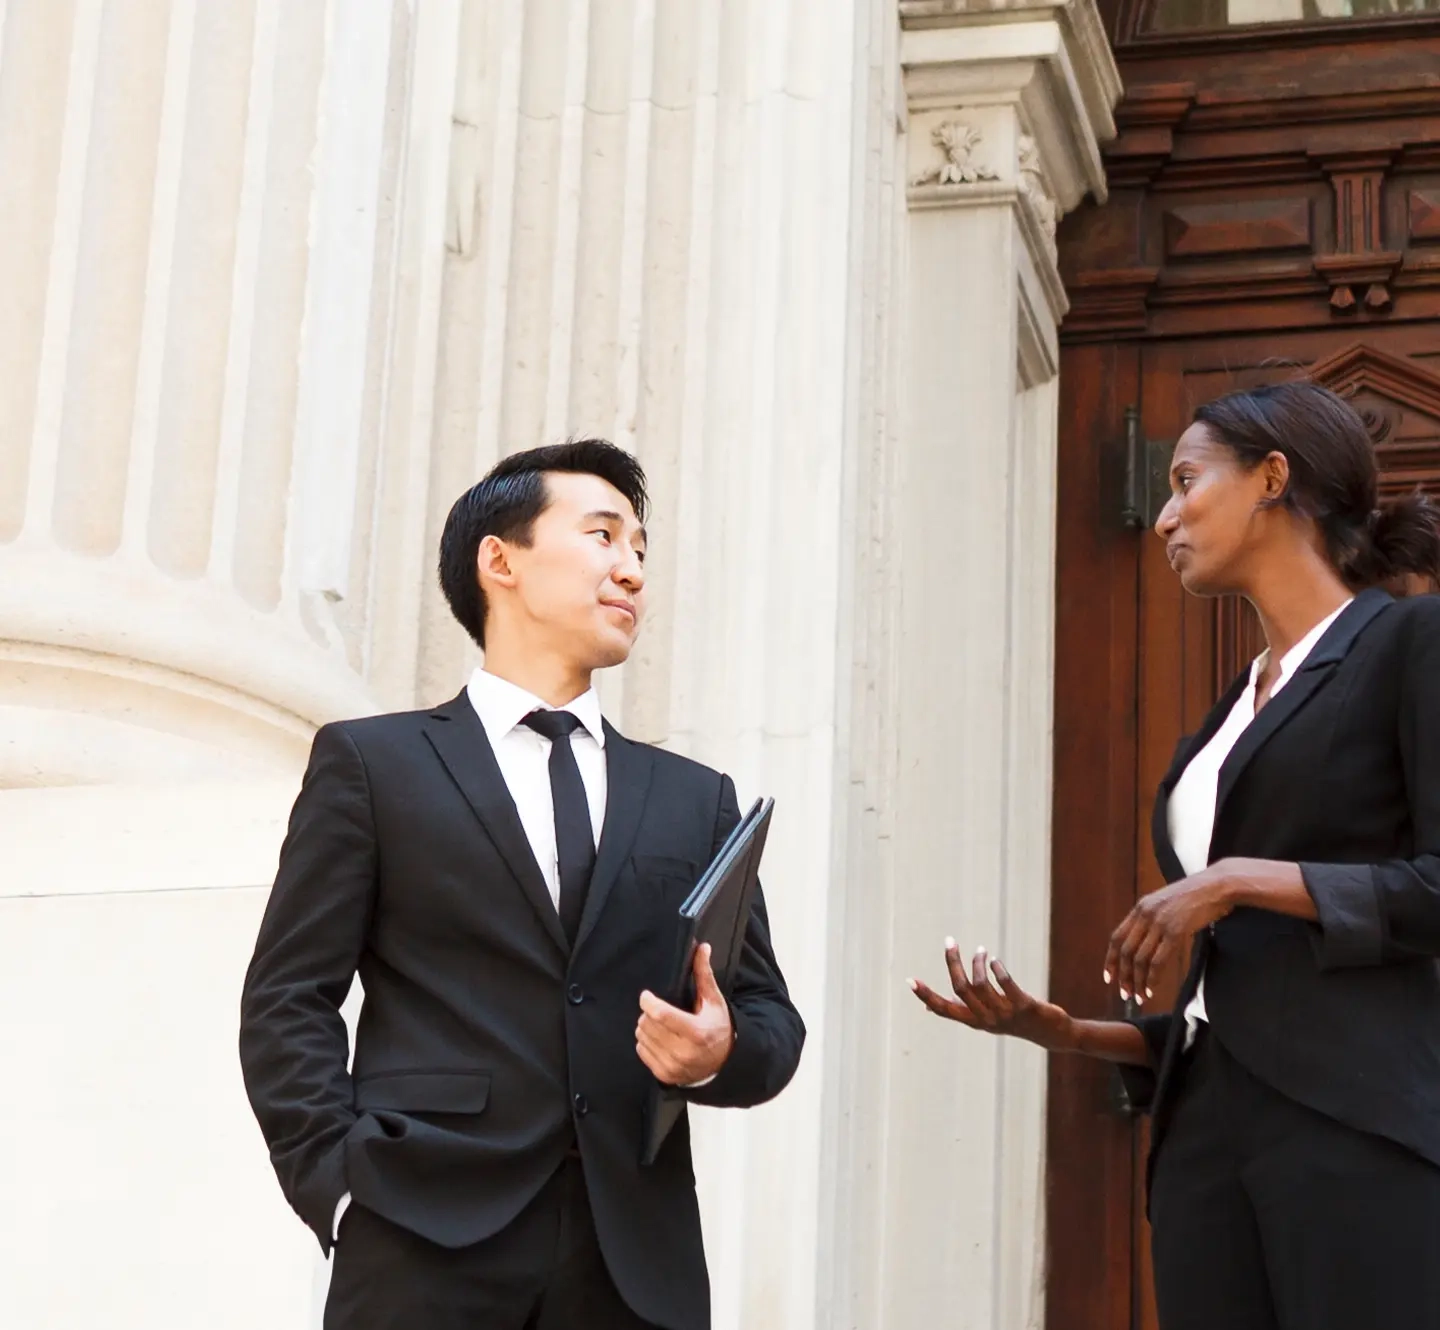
{"points": [[1147, 474]]}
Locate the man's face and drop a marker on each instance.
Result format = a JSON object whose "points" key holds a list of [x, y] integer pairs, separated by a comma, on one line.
{"points": [[579, 586]]}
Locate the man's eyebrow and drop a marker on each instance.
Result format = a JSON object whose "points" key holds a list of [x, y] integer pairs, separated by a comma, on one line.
{"points": [[606, 515]]}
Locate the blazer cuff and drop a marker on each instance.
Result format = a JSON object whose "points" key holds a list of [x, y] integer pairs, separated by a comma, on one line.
{"points": [[1140, 1082], [1352, 930], [735, 1084], [325, 1189]]}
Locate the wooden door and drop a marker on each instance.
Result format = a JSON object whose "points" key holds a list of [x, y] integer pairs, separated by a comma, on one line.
{"points": [[1275, 209]]}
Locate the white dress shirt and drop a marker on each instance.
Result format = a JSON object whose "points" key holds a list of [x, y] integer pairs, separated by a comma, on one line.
{"points": [[524, 760], [1191, 810]]}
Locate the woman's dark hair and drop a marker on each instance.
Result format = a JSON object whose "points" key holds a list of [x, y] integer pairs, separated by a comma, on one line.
{"points": [[507, 502], [1334, 477]]}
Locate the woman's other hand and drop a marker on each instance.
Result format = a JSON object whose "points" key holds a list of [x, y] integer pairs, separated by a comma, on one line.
{"points": [[1006, 1009], [1161, 925]]}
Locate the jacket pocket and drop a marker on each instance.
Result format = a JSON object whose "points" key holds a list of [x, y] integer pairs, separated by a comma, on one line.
{"points": [[658, 868], [424, 1092]]}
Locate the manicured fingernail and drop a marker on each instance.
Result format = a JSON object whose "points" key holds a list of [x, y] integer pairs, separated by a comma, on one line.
{"points": [[1124, 995], [1139, 1001], [1107, 976], [914, 985], [949, 944], [1150, 992]]}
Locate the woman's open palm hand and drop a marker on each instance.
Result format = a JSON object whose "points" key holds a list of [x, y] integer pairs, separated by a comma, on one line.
{"points": [[1006, 1009]]}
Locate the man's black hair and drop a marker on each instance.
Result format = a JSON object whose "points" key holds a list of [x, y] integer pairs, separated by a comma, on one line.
{"points": [[507, 502]]}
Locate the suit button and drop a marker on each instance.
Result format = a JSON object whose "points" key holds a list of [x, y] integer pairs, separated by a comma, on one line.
{"points": [[576, 994], [582, 1106]]}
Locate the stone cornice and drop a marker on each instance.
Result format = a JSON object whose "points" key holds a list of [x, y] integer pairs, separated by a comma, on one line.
{"points": [[1048, 58]]}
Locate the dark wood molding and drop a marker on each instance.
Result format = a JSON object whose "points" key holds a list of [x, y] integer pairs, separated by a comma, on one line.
{"points": [[1424, 216], [1362, 365], [1109, 304], [1266, 226], [1129, 38], [1146, 119]]}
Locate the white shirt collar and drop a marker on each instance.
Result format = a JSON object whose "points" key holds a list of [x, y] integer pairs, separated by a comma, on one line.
{"points": [[502, 705], [1293, 659]]}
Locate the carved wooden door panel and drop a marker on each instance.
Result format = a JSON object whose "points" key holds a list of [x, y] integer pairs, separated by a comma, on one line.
{"points": [[1275, 197]]}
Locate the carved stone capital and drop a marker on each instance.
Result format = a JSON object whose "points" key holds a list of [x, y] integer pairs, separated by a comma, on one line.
{"points": [[957, 166], [1040, 69], [1035, 189]]}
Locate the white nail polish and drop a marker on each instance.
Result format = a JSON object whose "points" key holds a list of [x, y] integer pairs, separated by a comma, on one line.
{"points": [[1124, 996], [949, 944], [1106, 976]]}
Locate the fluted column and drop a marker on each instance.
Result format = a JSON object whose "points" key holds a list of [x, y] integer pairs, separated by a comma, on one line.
{"points": [[156, 535], [660, 214], [220, 259]]}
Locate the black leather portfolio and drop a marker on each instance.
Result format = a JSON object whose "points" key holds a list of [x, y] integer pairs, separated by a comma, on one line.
{"points": [[717, 911]]}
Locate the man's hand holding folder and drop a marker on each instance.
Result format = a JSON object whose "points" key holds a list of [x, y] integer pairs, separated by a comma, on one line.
{"points": [[686, 1048]]}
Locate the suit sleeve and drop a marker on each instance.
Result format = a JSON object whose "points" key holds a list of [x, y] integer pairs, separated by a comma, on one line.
{"points": [[294, 1047], [769, 1033], [1140, 1082], [1371, 914]]}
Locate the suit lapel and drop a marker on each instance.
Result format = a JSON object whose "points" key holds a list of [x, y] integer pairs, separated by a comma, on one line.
{"points": [[460, 741], [1317, 668], [628, 768], [1169, 861]]}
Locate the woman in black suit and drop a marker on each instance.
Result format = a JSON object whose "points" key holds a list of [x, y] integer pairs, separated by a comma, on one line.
{"points": [[1295, 1087]]}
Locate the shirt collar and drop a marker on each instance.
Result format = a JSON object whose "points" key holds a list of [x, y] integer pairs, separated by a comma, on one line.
{"points": [[502, 705], [1293, 659]]}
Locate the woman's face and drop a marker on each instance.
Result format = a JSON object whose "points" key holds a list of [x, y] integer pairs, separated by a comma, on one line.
{"points": [[1216, 518]]}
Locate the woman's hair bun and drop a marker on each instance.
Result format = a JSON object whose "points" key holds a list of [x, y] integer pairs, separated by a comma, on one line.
{"points": [[1404, 537]]}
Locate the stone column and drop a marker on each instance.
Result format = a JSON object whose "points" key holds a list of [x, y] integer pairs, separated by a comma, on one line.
{"points": [[172, 610], [219, 259], [672, 225], [1007, 106]]}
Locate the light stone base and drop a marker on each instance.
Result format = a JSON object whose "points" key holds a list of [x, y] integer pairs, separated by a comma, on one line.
{"points": [[137, 1188]]}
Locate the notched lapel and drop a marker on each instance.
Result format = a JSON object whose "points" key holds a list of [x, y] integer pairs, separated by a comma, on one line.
{"points": [[628, 768], [460, 741], [1285, 705]]}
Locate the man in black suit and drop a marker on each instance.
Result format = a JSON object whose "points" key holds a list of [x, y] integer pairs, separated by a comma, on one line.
{"points": [[504, 872]]}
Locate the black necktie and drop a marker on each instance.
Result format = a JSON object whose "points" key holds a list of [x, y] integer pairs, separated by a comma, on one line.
{"points": [[574, 833]]}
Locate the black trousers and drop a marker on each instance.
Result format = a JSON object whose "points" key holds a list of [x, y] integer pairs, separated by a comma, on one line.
{"points": [[544, 1271], [1266, 1215]]}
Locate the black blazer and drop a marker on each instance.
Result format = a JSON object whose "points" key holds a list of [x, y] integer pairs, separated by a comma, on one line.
{"points": [[1340, 773], [485, 1047]]}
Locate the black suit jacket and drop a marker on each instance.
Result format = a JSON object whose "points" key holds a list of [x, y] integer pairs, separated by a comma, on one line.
{"points": [[1339, 773], [485, 1046]]}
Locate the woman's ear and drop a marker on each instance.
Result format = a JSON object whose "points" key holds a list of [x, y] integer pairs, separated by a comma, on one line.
{"points": [[1275, 470]]}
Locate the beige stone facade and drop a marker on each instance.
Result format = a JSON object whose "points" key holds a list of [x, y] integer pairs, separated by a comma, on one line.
{"points": [[278, 279]]}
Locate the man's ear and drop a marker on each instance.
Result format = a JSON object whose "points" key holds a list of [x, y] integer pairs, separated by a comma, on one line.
{"points": [[492, 563]]}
